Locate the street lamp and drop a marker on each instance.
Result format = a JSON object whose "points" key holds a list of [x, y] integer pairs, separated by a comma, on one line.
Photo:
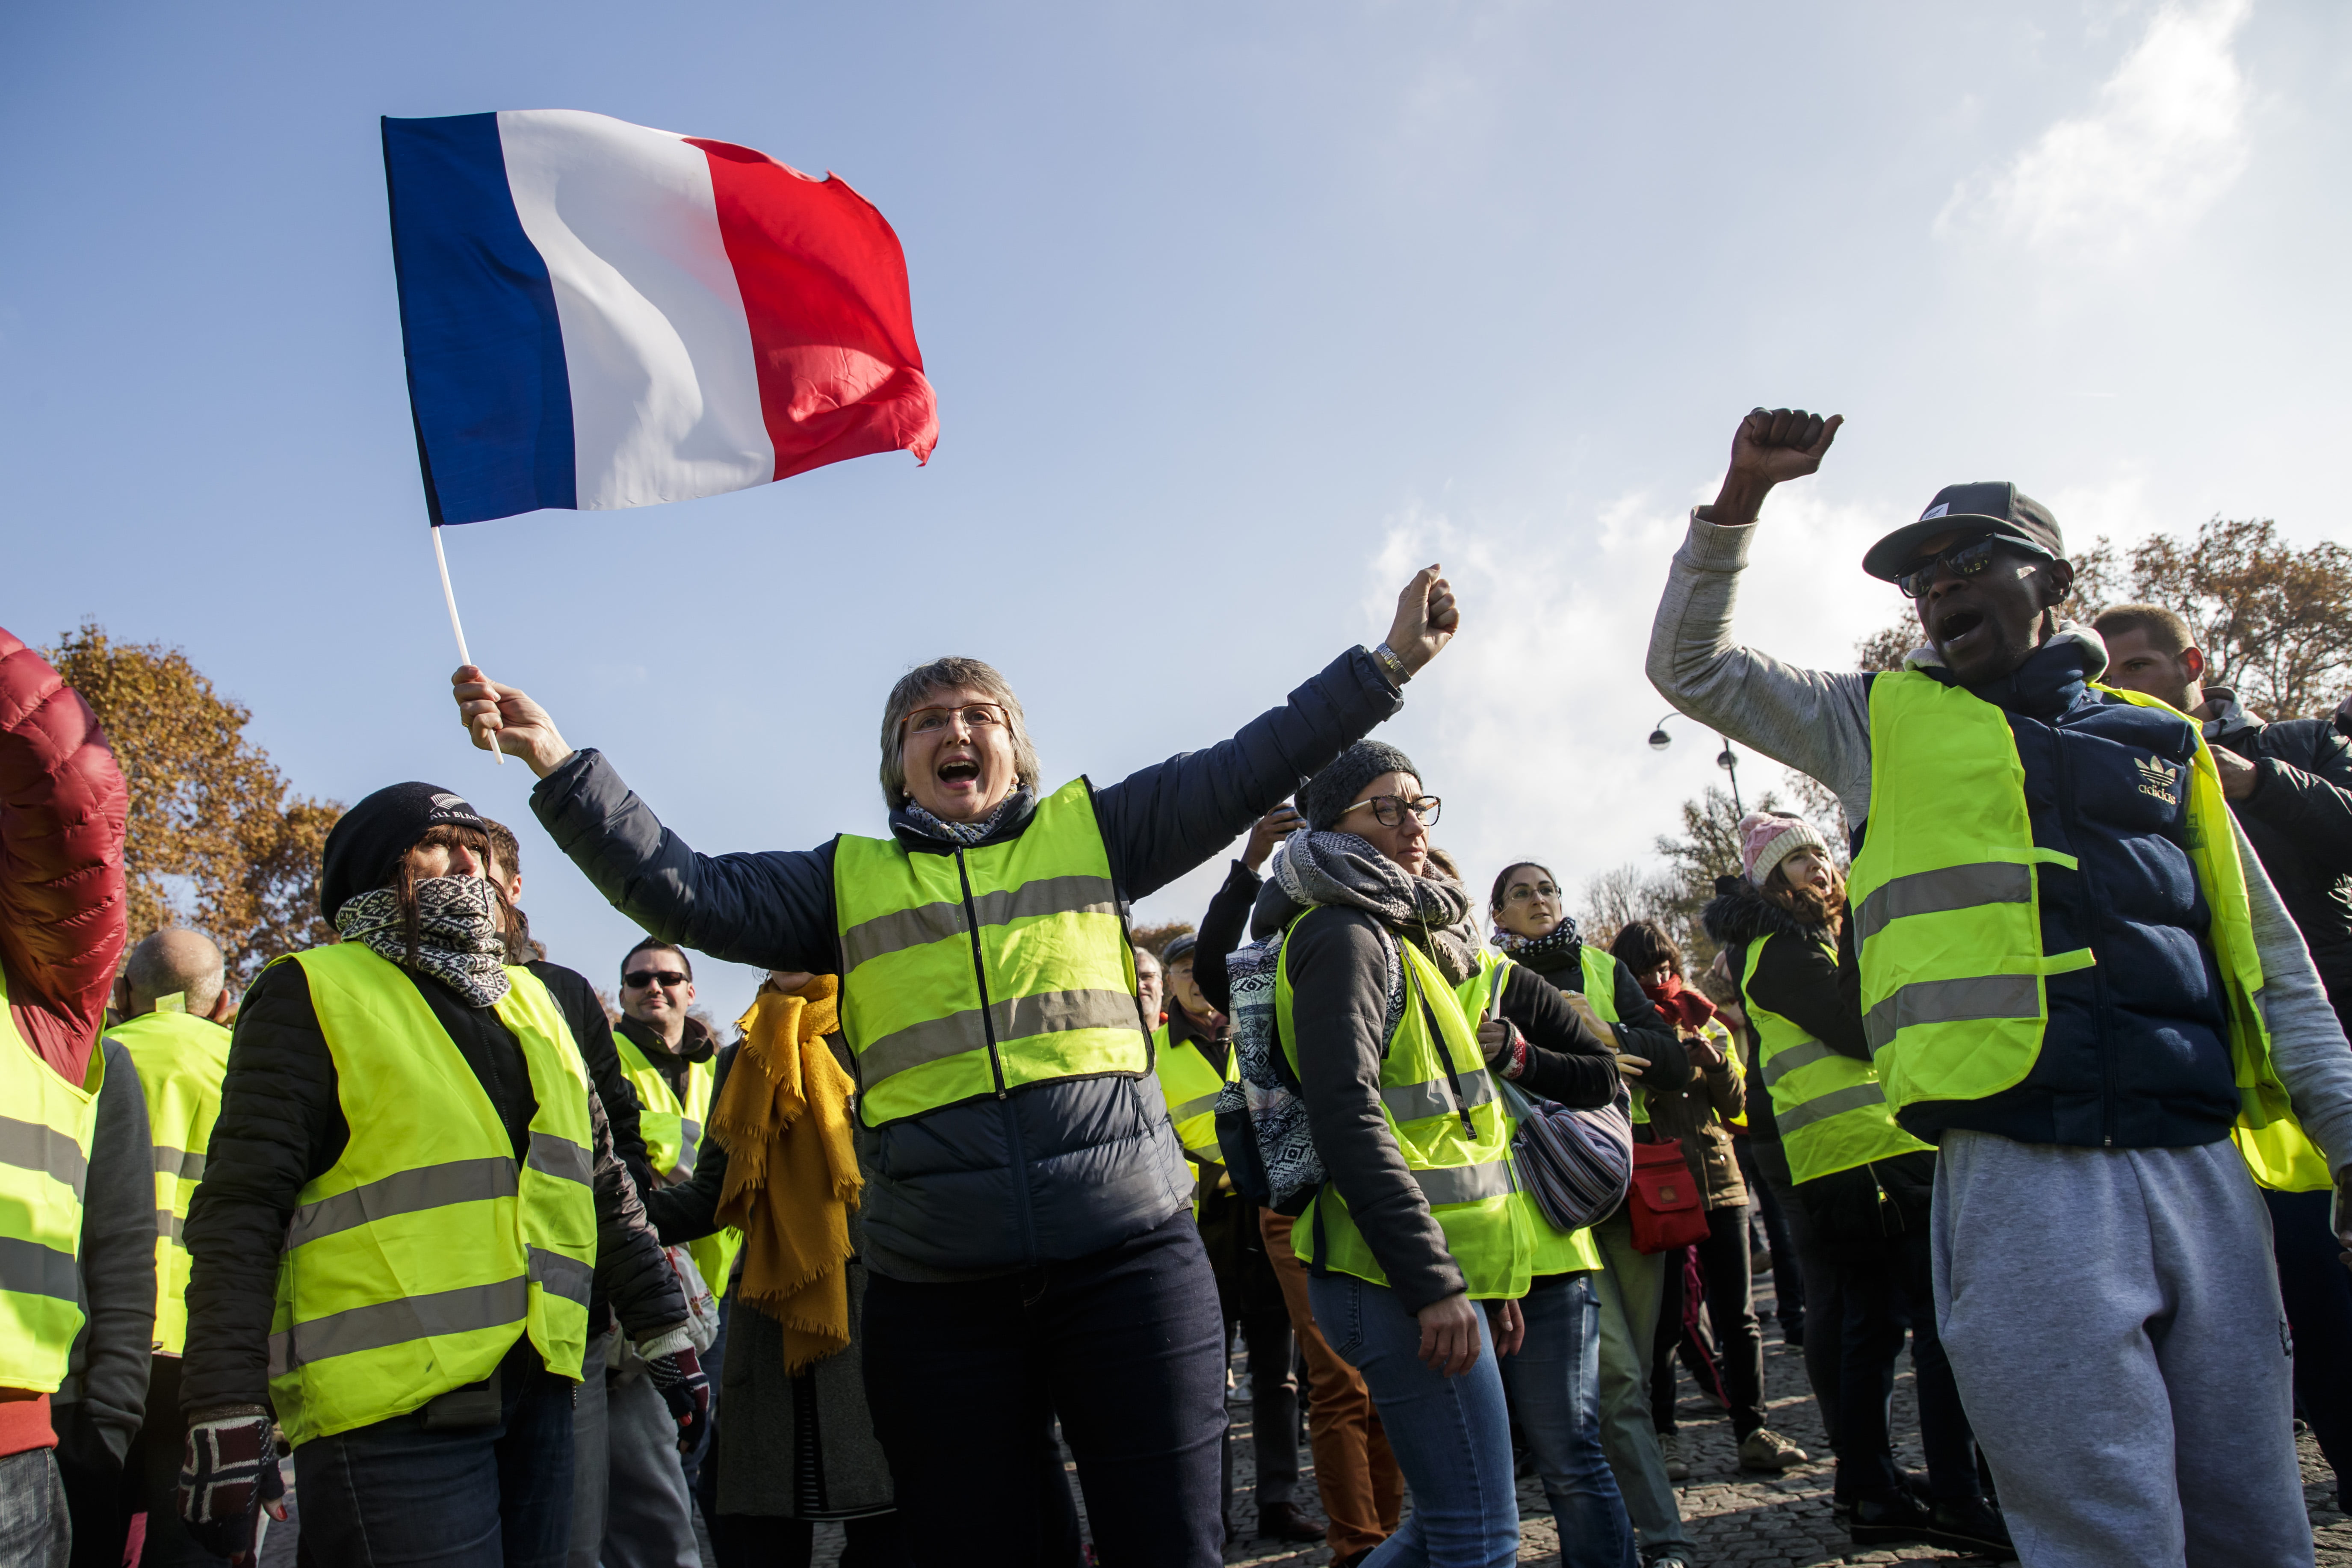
{"points": [[1726, 759]]}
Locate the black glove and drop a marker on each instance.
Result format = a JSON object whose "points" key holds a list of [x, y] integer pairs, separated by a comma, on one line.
{"points": [[228, 1472], [679, 1378]]}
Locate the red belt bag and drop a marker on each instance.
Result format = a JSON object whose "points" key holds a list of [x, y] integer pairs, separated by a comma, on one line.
{"points": [[1663, 1201]]}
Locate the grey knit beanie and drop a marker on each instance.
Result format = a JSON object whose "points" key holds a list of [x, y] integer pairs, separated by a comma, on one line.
{"points": [[1333, 791]]}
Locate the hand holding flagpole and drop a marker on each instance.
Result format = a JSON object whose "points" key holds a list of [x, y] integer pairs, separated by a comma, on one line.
{"points": [[449, 597]]}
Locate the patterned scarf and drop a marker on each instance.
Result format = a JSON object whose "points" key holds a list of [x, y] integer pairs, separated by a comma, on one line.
{"points": [[1531, 950], [965, 833], [1431, 912], [460, 936]]}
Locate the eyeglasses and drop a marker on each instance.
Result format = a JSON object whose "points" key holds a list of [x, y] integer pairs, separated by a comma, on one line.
{"points": [[1389, 810], [976, 717], [638, 979], [1963, 561], [1522, 893]]}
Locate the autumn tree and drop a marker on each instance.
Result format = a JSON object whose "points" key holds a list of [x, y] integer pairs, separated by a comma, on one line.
{"points": [[2276, 622], [215, 839], [1618, 896], [1154, 938]]}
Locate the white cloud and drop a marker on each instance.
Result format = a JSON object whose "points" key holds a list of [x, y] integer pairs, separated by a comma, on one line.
{"points": [[2168, 138]]}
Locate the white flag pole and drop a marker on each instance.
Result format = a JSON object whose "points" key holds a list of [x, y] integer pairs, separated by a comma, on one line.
{"points": [[449, 597]]}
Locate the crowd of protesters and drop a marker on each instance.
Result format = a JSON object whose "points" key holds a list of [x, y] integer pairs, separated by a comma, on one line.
{"points": [[2042, 1074]]}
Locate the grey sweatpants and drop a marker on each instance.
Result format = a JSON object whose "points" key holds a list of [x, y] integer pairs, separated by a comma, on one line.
{"points": [[2113, 1319], [649, 1516], [591, 1457]]}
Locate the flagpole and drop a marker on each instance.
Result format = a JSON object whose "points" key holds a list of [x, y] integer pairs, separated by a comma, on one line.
{"points": [[449, 597]]}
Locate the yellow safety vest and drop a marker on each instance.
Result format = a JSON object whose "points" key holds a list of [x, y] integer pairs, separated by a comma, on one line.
{"points": [[1457, 1146], [1190, 1086], [46, 1125], [182, 1060], [414, 1264], [673, 1130], [976, 971], [1945, 896], [1830, 1109], [1557, 1251]]}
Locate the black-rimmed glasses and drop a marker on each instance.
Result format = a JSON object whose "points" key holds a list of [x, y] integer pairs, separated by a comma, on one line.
{"points": [[638, 979], [1389, 810]]}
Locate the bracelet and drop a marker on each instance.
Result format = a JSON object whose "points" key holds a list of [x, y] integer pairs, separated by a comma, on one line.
{"points": [[1392, 665]]}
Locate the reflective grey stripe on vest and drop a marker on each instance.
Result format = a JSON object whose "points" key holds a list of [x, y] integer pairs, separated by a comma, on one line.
{"points": [[35, 1146], [1823, 1107], [1052, 1012], [1466, 1183], [1792, 1058], [398, 1322], [1418, 1101], [1952, 1002], [689, 1135], [1935, 892], [188, 1165], [171, 1228], [927, 923], [562, 1158], [29, 1269], [561, 1275], [405, 1192], [1200, 1105]]}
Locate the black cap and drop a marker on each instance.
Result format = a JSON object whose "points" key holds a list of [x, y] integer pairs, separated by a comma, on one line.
{"points": [[1988, 507], [369, 839]]}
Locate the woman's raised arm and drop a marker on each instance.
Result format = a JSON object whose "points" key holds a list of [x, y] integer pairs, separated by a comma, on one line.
{"points": [[774, 910]]}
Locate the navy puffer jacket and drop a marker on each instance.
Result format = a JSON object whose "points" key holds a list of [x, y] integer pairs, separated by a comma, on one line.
{"points": [[2136, 1054], [1054, 1171]]}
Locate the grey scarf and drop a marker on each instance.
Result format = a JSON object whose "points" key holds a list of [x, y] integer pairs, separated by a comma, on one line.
{"points": [[460, 936], [1431, 912], [966, 834]]}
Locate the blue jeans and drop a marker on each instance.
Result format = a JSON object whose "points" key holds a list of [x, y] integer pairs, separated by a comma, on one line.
{"points": [[1555, 1387], [1452, 1435], [477, 1497]]}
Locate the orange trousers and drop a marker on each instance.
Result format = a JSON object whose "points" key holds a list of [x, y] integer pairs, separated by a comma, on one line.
{"points": [[1361, 1488]]}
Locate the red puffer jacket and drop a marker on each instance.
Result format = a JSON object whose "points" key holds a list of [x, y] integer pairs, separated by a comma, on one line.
{"points": [[63, 809]]}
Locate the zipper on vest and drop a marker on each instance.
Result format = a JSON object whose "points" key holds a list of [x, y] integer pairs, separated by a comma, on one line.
{"points": [[2090, 903], [979, 973], [1015, 1153]]}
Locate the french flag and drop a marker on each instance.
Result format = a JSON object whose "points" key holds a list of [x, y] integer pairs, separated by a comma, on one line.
{"points": [[598, 314]]}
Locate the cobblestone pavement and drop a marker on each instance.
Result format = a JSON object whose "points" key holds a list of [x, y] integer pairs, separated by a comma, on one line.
{"points": [[1736, 1520]]}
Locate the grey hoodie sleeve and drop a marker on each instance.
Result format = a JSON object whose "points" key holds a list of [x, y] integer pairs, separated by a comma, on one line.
{"points": [[2307, 1043], [1812, 721], [109, 1377]]}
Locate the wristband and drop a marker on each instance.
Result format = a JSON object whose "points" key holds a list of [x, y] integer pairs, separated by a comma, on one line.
{"points": [[1390, 665]]}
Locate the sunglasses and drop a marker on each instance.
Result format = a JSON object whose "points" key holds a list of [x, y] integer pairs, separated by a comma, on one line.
{"points": [[1389, 810], [638, 979], [1963, 561]]}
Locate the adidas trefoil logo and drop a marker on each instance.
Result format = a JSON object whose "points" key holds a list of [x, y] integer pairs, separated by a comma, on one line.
{"points": [[2159, 779]]}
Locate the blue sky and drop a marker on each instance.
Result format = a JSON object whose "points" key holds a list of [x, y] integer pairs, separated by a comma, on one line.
{"points": [[1236, 313]]}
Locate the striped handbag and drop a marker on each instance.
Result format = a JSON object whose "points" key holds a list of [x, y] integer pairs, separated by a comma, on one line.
{"points": [[1576, 1163]]}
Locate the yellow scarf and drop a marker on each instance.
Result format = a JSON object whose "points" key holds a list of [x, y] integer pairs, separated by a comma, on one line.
{"points": [[791, 1170]]}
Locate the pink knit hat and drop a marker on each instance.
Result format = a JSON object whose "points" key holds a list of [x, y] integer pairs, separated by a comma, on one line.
{"points": [[1768, 837]]}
